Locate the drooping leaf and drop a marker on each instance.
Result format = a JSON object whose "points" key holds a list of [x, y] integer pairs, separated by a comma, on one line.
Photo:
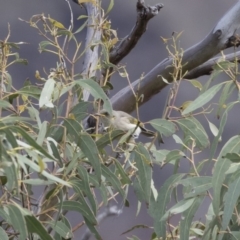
{"points": [[144, 173], [221, 166], [17, 220], [187, 218], [112, 178], [81, 207], [203, 99], [233, 157], [164, 126], [90, 150], [230, 200], [179, 207], [86, 187], [46, 94], [44, 44], [108, 138], [193, 128], [157, 209], [96, 91], [34, 226], [110, 6], [3, 235], [63, 230]]}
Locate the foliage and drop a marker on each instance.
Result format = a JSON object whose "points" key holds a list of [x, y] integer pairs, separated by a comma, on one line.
{"points": [[59, 154]]}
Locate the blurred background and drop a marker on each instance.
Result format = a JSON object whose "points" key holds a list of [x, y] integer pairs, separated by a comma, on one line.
{"points": [[195, 18]]}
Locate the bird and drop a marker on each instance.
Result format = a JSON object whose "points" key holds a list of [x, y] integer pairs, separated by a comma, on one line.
{"points": [[123, 121]]}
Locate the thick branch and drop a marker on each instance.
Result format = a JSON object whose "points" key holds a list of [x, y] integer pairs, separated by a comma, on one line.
{"points": [[207, 67], [93, 36], [217, 40], [144, 14]]}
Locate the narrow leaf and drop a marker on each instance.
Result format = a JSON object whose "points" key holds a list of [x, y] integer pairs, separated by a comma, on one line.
{"points": [[192, 127], [203, 99], [221, 166], [18, 221], [164, 126], [96, 91], [158, 209], [230, 200], [187, 218], [46, 94], [90, 150], [34, 226]]}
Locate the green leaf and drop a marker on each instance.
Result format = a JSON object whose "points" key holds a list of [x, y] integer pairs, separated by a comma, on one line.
{"points": [[86, 187], [110, 6], [6, 105], [56, 23], [42, 133], [230, 200], [196, 185], [73, 128], [80, 110], [203, 99], [233, 157], [157, 209], [92, 229], [112, 178], [3, 235], [61, 229], [82, 27], [17, 220], [90, 150], [196, 84], [81, 207], [34, 226], [216, 139], [44, 44], [37, 182], [27, 138], [108, 137], [188, 217], [144, 174], [163, 126], [174, 155], [221, 166], [37, 168], [96, 91], [125, 179], [179, 207], [226, 93], [192, 127], [45, 99]]}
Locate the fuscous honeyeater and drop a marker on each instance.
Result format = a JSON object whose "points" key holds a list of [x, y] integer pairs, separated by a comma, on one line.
{"points": [[123, 121]]}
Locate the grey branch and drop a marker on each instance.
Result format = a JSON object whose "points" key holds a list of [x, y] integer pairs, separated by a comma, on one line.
{"points": [[144, 14], [218, 39], [207, 67], [93, 36]]}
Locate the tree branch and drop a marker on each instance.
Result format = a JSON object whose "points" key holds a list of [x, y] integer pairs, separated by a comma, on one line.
{"points": [[93, 36], [217, 40], [207, 67], [144, 14]]}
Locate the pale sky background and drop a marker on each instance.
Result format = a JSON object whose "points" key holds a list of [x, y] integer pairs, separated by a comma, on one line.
{"points": [[194, 17]]}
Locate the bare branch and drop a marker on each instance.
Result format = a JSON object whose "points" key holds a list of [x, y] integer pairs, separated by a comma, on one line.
{"points": [[207, 67], [93, 36], [144, 14], [218, 39]]}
